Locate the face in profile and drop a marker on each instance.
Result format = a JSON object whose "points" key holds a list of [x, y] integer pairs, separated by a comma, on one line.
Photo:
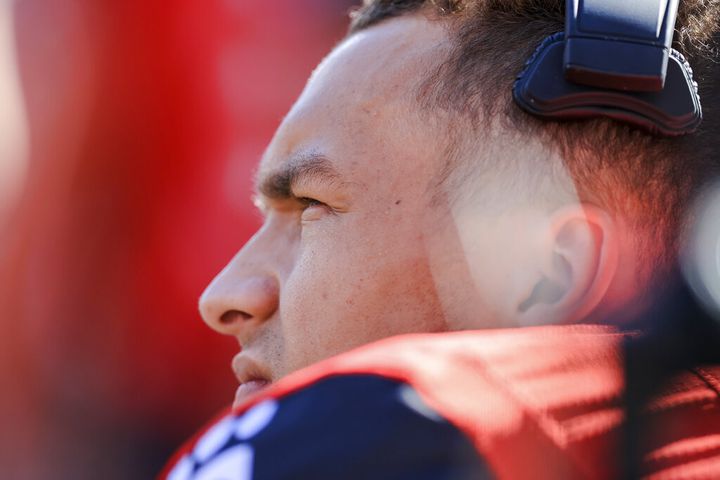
{"points": [[360, 238]]}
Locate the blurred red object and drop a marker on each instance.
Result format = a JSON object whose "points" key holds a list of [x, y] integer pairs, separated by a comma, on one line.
{"points": [[146, 121]]}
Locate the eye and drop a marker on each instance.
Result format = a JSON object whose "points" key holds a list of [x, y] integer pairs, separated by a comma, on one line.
{"points": [[312, 209], [308, 202]]}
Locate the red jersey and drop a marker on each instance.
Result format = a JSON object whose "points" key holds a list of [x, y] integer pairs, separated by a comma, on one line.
{"points": [[530, 403]]}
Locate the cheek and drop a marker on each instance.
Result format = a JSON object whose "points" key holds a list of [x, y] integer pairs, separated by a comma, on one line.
{"points": [[502, 260], [321, 302], [346, 291]]}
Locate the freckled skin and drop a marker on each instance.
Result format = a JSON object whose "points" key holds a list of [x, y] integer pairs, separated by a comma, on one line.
{"points": [[390, 258]]}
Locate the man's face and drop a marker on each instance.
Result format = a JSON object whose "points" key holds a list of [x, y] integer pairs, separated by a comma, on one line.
{"points": [[358, 242]]}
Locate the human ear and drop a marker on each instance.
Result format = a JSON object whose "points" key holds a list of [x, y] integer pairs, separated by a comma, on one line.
{"points": [[577, 263]]}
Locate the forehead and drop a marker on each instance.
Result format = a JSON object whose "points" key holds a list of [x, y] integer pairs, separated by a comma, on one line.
{"points": [[361, 100]]}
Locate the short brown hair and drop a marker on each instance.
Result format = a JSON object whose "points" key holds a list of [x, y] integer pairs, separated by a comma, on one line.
{"points": [[647, 179]]}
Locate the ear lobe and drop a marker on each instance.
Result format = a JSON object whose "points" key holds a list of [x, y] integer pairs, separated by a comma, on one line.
{"points": [[578, 264]]}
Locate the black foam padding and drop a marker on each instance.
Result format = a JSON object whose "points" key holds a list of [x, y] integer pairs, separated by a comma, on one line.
{"points": [[543, 90]]}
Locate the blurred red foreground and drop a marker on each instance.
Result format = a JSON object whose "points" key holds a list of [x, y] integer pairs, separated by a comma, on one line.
{"points": [[146, 120]]}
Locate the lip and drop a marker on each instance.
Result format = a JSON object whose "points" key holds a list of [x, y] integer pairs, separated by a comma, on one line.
{"points": [[251, 375]]}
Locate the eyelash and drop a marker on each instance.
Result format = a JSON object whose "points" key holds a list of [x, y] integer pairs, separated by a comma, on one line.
{"points": [[308, 202], [308, 213]]}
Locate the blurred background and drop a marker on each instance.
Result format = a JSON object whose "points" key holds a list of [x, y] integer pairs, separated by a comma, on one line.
{"points": [[129, 131]]}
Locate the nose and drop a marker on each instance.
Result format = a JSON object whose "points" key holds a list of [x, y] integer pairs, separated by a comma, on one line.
{"points": [[239, 299]]}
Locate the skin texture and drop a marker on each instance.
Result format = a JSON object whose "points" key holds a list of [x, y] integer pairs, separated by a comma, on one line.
{"points": [[362, 241]]}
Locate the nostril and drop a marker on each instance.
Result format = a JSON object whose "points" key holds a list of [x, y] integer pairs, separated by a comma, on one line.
{"points": [[231, 315]]}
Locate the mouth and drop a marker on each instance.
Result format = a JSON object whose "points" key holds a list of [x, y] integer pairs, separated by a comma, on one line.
{"points": [[252, 378]]}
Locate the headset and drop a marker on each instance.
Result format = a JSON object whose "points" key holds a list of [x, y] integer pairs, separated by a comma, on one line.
{"points": [[615, 59]]}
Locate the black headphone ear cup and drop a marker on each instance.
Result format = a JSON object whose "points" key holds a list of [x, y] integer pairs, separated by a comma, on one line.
{"points": [[542, 90]]}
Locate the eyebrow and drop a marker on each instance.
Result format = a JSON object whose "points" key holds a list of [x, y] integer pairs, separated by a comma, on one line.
{"points": [[278, 184]]}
